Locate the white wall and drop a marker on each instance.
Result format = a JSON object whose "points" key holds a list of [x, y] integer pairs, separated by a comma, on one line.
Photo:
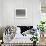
{"points": [[0, 12], [33, 12], [36, 12]]}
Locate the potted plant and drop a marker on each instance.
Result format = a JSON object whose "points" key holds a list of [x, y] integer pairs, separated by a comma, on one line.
{"points": [[41, 27], [34, 39]]}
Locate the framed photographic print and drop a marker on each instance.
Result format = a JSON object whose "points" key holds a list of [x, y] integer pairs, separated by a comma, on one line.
{"points": [[21, 12]]}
